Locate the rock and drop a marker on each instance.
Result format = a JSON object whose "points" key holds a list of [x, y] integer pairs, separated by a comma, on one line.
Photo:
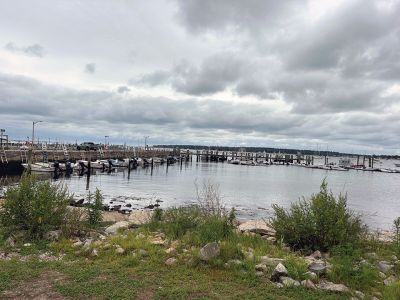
{"points": [[261, 267], [318, 267], [140, 217], [384, 266], [270, 261], [209, 251], [171, 261], [382, 275], [279, 285], [311, 275], [175, 244], [87, 243], [170, 250], [394, 258], [257, 226], [317, 255], [390, 280], [10, 242], [333, 287], [359, 295], [157, 241], [288, 282], [119, 250], [53, 235], [308, 284], [113, 229], [259, 273], [27, 244], [374, 298], [77, 244], [363, 262], [94, 253], [279, 271]]}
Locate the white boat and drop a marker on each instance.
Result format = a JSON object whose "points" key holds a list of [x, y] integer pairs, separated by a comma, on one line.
{"points": [[337, 168], [234, 161], [40, 167], [385, 170], [247, 163]]}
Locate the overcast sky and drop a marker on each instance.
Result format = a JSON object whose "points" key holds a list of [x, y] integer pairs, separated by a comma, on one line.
{"points": [[297, 74]]}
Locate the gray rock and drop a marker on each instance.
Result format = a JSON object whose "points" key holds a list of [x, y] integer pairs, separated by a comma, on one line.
{"points": [[384, 266], [308, 284], [333, 287], [209, 251], [359, 295], [53, 235], [170, 250], [77, 244], [259, 273], [261, 267], [271, 261], [317, 255], [279, 271], [119, 250], [390, 280], [113, 229], [394, 258], [279, 285], [171, 261], [318, 267], [10, 242], [289, 282], [94, 253], [382, 275]]}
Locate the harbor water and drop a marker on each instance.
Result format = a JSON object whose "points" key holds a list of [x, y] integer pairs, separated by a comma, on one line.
{"points": [[251, 190]]}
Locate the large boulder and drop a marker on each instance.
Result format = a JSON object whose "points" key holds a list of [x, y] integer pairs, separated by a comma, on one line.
{"points": [[113, 229], [209, 251], [257, 226], [279, 271]]}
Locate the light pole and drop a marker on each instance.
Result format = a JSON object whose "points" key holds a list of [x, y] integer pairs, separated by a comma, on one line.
{"points": [[33, 131], [105, 140], [145, 142]]}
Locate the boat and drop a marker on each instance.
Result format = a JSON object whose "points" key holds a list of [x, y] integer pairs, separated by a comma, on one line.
{"points": [[247, 163], [234, 161], [385, 170], [40, 167]]}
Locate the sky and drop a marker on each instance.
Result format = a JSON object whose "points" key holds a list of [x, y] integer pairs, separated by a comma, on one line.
{"points": [[290, 74]]}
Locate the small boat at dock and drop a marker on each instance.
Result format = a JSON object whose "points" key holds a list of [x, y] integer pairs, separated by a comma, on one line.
{"points": [[40, 167]]}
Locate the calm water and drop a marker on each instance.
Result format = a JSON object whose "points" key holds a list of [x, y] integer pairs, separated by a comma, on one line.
{"points": [[251, 190]]}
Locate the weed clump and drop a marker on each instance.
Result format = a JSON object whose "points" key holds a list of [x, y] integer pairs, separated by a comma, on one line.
{"points": [[319, 223], [34, 206]]}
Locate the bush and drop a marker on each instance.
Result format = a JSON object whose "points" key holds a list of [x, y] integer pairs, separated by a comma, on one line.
{"points": [[34, 206], [95, 208], [318, 224]]}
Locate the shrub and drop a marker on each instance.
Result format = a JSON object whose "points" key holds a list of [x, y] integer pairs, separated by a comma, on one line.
{"points": [[95, 208], [397, 232], [209, 199], [319, 223], [34, 206]]}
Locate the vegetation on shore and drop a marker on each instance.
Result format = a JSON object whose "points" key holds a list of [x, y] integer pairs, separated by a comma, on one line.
{"points": [[164, 258]]}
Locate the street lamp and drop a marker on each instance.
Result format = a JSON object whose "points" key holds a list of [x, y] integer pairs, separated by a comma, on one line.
{"points": [[105, 140], [33, 131], [145, 142]]}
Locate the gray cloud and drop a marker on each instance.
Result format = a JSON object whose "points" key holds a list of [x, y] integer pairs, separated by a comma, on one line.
{"points": [[90, 68], [199, 120], [30, 50], [123, 89]]}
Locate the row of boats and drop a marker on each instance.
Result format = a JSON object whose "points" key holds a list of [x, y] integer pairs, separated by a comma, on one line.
{"points": [[329, 167], [100, 164]]}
